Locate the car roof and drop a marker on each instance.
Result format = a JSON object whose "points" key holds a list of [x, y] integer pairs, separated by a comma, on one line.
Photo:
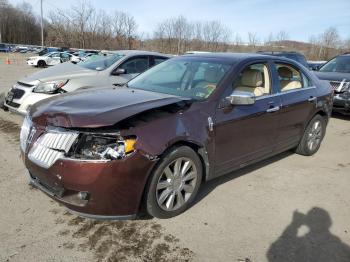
{"points": [[137, 52], [234, 57], [346, 54]]}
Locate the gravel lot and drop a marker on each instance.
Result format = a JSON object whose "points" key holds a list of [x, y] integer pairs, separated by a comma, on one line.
{"points": [[287, 208]]}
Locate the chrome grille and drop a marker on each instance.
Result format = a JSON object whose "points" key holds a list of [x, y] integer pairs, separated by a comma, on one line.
{"points": [[17, 93], [335, 84], [339, 86], [50, 147]]}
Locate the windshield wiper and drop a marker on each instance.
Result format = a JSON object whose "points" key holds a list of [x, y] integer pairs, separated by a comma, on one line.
{"points": [[120, 84]]}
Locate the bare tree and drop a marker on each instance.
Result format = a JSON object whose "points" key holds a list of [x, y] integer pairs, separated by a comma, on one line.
{"points": [[282, 36], [80, 15], [252, 39], [270, 40]]}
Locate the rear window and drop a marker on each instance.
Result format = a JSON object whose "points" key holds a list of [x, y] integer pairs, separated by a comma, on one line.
{"points": [[102, 63]]}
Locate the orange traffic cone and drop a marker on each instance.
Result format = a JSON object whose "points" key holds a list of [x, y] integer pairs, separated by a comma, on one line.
{"points": [[8, 62]]}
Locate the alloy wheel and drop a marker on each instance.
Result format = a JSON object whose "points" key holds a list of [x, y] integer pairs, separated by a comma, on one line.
{"points": [[176, 184], [314, 136]]}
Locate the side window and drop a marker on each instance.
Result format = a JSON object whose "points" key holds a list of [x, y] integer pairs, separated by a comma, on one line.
{"points": [[55, 55], [290, 77], [135, 65], [158, 60], [255, 79]]}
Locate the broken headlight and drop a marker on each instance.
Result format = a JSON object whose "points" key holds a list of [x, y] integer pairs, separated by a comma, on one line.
{"points": [[50, 87], [103, 147]]}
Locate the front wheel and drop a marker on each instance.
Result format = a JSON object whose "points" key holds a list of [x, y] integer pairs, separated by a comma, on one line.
{"points": [[41, 63], [174, 183], [313, 136]]}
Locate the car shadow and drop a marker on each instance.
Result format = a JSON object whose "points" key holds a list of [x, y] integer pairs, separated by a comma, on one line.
{"points": [[316, 244], [209, 186]]}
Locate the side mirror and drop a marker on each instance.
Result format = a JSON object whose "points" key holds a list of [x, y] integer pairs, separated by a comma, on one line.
{"points": [[119, 71], [241, 98]]}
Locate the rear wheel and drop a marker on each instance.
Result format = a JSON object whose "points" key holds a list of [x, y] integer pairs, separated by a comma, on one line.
{"points": [[41, 63], [313, 136], [174, 183]]}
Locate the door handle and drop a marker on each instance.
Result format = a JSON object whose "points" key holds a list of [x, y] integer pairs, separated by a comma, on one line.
{"points": [[273, 109], [312, 98]]}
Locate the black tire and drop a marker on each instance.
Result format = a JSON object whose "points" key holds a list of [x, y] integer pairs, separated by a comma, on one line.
{"points": [[304, 145], [151, 204], [41, 63], [2, 102]]}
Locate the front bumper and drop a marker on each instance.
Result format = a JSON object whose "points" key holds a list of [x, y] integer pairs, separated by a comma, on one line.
{"points": [[32, 62], [114, 188], [341, 103], [22, 104]]}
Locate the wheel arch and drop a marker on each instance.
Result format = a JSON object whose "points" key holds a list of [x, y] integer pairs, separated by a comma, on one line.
{"points": [[196, 147], [322, 113]]}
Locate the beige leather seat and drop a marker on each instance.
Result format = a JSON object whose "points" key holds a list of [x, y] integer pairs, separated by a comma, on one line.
{"points": [[252, 81], [287, 82], [210, 78]]}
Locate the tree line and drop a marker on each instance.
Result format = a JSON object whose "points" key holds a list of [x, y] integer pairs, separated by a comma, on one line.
{"points": [[82, 26]]}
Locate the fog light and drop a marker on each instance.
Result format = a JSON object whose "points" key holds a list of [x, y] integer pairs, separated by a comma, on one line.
{"points": [[83, 195]]}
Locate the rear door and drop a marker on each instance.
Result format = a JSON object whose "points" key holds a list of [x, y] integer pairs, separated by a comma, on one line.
{"points": [[246, 133], [155, 60], [53, 59], [298, 96], [65, 57]]}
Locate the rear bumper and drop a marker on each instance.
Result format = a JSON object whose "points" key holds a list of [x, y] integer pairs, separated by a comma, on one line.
{"points": [[114, 189]]}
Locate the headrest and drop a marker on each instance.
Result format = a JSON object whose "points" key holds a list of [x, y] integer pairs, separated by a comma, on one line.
{"points": [[251, 78], [211, 75], [285, 72]]}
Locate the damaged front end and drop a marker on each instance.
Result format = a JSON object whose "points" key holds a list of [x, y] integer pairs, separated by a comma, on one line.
{"points": [[103, 146], [96, 173]]}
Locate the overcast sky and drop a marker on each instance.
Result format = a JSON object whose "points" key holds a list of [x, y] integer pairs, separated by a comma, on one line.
{"points": [[300, 18]]}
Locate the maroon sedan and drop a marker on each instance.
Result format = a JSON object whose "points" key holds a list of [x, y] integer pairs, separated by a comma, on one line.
{"points": [[107, 152]]}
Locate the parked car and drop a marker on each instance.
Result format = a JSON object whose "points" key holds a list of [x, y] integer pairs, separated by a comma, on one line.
{"points": [[107, 152], [115, 69], [49, 59], [315, 65], [47, 50], [288, 54], [337, 72], [4, 48]]}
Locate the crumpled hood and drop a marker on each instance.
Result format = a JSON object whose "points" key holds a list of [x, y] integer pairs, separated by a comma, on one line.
{"points": [[333, 76], [58, 72], [97, 107]]}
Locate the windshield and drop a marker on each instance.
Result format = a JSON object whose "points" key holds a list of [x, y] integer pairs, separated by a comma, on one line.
{"points": [[195, 79], [339, 64], [101, 63]]}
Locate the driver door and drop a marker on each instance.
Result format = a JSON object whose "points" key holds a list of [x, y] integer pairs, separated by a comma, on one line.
{"points": [[132, 68], [245, 133]]}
